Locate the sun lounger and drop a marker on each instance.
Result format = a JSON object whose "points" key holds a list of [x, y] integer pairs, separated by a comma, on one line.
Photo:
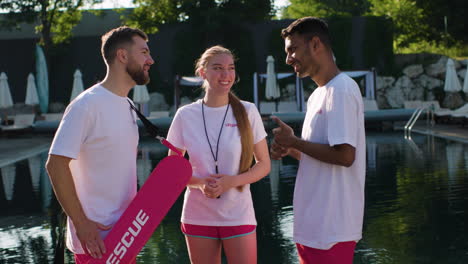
{"points": [[287, 107], [370, 105], [266, 108], [21, 122], [158, 114], [52, 116], [412, 104], [446, 115]]}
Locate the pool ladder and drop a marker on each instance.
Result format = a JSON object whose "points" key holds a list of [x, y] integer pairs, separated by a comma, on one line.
{"points": [[409, 125], [414, 117]]}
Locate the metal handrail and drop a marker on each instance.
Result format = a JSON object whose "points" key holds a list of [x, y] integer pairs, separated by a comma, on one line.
{"points": [[414, 117]]}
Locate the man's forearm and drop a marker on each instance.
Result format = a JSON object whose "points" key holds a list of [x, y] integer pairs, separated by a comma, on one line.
{"points": [[64, 188], [336, 155]]}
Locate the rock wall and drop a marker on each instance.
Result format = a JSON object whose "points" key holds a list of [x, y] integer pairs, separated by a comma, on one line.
{"points": [[422, 78]]}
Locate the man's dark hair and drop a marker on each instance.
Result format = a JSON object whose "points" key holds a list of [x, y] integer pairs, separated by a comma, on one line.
{"points": [[309, 27], [116, 39]]}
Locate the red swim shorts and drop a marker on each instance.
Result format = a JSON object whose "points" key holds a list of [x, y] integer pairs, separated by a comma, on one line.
{"points": [[217, 232], [340, 253]]}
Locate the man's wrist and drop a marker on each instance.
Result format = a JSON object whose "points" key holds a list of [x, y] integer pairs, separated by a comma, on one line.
{"points": [[296, 143]]}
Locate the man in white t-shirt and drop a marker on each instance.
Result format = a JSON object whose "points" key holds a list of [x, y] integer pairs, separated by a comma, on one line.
{"points": [[329, 191], [92, 160]]}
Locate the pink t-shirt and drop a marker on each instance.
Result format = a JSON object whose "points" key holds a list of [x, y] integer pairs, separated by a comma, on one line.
{"points": [[187, 132]]}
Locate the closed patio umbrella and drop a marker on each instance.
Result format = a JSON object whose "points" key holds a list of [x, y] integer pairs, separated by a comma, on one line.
{"points": [[8, 178], [465, 82], [31, 91], [35, 171], [144, 166], [77, 85], [141, 97], [42, 80], [5, 95], [452, 84], [272, 91]]}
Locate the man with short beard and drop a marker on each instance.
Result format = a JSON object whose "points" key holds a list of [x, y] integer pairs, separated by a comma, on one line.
{"points": [[92, 160]]}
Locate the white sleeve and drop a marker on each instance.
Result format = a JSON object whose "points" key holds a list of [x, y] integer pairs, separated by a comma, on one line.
{"points": [[72, 131], [175, 135], [258, 130], [342, 118]]}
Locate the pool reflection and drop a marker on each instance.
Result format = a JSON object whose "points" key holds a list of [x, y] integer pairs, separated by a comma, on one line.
{"points": [[415, 207]]}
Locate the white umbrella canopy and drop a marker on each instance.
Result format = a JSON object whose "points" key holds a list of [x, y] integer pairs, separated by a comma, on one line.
{"points": [[144, 166], [452, 84], [77, 85], [31, 91], [8, 177], [141, 97], [35, 171], [140, 94], [465, 82], [42, 79], [5, 95], [271, 90]]}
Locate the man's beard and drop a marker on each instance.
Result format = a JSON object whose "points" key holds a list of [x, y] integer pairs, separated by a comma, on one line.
{"points": [[137, 74]]}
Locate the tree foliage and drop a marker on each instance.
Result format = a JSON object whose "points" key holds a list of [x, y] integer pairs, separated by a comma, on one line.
{"points": [[55, 18], [151, 14], [325, 8], [415, 21], [408, 19], [455, 12]]}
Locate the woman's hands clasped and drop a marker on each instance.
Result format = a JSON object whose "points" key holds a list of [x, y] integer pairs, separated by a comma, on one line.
{"points": [[215, 185]]}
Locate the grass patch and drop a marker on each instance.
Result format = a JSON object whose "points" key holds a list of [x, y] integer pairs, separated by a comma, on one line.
{"points": [[458, 50]]}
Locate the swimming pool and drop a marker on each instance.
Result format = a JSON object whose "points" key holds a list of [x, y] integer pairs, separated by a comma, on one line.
{"points": [[416, 207]]}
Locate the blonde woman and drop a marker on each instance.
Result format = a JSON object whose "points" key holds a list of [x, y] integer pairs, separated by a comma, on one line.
{"points": [[222, 135]]}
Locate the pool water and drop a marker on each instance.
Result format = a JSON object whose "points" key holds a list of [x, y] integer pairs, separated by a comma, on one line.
{"points": [[416, 207]]}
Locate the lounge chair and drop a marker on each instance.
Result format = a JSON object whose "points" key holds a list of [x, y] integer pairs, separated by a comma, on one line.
{"points": [[447, 115], [21, 122], [266, 108], [412, 104], [158, 114], [465, 122], [52, 116], [370, 105], [287, 107]]}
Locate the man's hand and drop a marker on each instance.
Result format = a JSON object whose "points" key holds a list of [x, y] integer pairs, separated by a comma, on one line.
{"points": [[277, 151], [284, 134], [88, 234]]}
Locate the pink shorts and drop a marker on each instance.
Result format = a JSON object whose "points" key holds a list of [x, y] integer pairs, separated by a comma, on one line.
{"points": [[217, 232], [340, 253], [85, 259]]}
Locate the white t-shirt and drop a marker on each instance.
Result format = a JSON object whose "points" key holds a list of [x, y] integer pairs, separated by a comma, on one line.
{"points": [[329, 199], [99, 132], [187, 132]]}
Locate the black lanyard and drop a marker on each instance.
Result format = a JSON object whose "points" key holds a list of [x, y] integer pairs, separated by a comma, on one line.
{"points": [[215, 157], [153, 130]]}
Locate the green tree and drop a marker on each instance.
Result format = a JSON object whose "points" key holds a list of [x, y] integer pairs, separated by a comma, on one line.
{"points": [[408, 20], [325, 8], [150, 15], [55, 18], [454, 11]]}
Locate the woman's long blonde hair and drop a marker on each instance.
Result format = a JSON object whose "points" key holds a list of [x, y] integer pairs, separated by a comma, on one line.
{"points": [[243, 123]]}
